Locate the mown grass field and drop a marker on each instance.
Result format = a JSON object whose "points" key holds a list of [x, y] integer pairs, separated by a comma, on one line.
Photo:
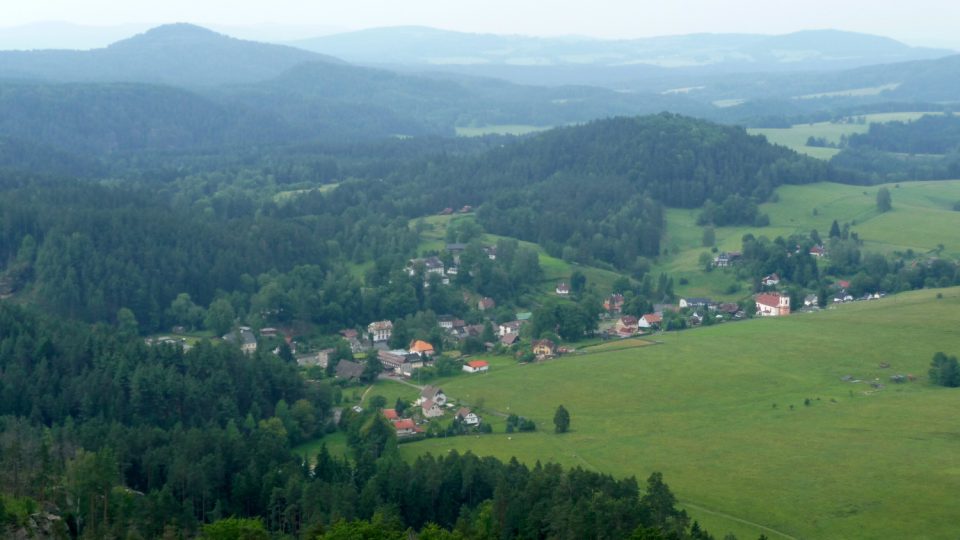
{"points": [[721, 412]]}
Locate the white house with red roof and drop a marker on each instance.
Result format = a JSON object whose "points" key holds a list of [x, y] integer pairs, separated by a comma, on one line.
{"points": [[772, 305], [476, 366], [650, 320], [405, 427]]}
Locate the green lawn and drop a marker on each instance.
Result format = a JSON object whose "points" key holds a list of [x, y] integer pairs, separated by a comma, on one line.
{"points": [[720, 411]]}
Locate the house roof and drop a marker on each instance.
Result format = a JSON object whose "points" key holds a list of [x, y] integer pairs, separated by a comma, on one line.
{"points": [[430, 391], [698, 301], [486, 302], [653, 318], [391, 414], [404, 423], [428, 404], [463, 412], [380, 325], [347, 369], [349, 333], [769, 299], [420, 346], [475, 364], [628, 320], [509, 338]]}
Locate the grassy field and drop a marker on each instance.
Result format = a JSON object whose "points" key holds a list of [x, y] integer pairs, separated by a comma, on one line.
{"points": [[721, 412], [921, 220], [795, 137]]}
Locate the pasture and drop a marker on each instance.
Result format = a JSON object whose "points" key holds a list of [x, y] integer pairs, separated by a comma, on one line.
{"points": [[922, 219], [752, 423]]}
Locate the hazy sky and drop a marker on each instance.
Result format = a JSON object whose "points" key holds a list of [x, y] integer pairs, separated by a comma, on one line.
{"points": [[919, 22]]}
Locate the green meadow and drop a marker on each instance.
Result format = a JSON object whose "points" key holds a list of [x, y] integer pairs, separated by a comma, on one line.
{"points": [[922, 219], [751, 423], [795, 137]]}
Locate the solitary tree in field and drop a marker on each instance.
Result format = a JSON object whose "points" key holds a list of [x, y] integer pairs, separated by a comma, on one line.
{"points": [[884, 202], [561, 420]]}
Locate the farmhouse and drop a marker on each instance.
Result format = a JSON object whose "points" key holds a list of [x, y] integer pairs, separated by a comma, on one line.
{"points": [[626, 325], [491, 252], [818, 251], [563, 289], [772, 305], [476, 366], [322, 358], [244, 338], [725, 259], [508, 340], [468, 417], [486, 303], [650, 320], [544, 348], [431, 265], [432, 393], [399, 360], [390, 414]]}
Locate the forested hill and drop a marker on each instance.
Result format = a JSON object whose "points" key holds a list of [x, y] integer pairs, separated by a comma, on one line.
{"points": [[175, 54], [599, 188]]}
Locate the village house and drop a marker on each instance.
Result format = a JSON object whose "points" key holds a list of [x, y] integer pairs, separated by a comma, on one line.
{"points": [[380, 330], [268, 332], [348, 370], [563, 289], [390, 414], [455, 250], [650, 320], [486, 303], [243, 337], [420, 347], [445, 322], [696, 303], [432, 393], [770, 281], [431, 265], [476, 366], [810, 300], [726, 259], [405, 427], [626, 325], [772, 305], [398, 359], [431, 409], [491, 252], [544, 348], [613, 303], [321, 358], [818, 251], [509, 340], [468, 417], [512, 327]]}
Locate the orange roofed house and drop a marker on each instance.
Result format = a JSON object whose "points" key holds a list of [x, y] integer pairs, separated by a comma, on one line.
{"points": [[476, 366], [773, 305], [421, 347]]}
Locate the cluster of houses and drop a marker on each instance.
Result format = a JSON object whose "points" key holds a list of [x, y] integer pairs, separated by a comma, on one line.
{"points": [[433, 265], [432, 403]]}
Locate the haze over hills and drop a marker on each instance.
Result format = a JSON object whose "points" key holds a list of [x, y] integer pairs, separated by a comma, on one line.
{"points": [[805, 50], [176, 54]]}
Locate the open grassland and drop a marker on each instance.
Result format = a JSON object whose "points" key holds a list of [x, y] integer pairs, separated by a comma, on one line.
{"points": [[795, 137], [922, 219], [721, 412]]}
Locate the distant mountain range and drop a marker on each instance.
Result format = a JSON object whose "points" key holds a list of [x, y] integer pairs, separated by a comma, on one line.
{"points": [[182, 86], [806, 50]]}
